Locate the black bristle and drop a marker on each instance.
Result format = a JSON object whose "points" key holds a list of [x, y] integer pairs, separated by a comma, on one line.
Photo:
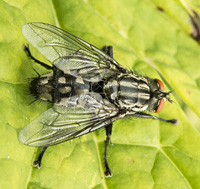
{"points": [[33, 87]]}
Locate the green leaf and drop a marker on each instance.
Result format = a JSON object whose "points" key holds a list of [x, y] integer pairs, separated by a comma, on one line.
{"points": [[152, 37]]}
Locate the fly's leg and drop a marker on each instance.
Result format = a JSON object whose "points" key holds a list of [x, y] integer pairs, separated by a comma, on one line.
{"points": [[109, 51], [28, 52], [149, 116], [108, 128], [38, 163]]}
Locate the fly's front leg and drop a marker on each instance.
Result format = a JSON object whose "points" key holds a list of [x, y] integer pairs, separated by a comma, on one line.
{"points": [[38, 162], [28, 53], [149, 116], [108, 128]]}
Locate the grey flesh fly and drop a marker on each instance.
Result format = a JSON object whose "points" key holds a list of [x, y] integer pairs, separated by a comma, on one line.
{"points": [[87, 88]]}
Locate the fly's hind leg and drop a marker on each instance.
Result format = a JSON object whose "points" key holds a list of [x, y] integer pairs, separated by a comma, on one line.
{"points": [[38, 162], [28, 53], [109, 51]]}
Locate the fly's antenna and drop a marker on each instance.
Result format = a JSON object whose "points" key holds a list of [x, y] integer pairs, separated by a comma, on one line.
{"points": [[168, 97], [164, 95]]}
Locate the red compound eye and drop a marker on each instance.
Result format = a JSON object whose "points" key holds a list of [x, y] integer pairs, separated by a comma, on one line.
{"points": [[161, 105], [160, 83]]}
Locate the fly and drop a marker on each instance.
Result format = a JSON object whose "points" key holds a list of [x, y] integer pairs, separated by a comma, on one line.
{"points": [[87, 88]]}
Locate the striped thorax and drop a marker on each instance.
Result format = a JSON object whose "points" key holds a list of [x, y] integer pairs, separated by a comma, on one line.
{"points": [[128, 91]]}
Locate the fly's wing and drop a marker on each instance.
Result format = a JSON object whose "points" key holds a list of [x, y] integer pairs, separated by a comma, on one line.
{"points": [[71, 54], [83, 114]]}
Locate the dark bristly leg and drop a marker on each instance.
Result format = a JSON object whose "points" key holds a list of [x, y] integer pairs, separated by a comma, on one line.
{"points": [[149, 116], [38, 163], [109, 51], [28, 52], [108, 128]]}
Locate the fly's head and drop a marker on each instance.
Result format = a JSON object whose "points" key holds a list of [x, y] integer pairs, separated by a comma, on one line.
{"points": [[157, 96]]}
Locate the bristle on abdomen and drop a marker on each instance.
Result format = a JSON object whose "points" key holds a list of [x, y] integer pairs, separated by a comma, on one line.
{"points": [[42, 87]]}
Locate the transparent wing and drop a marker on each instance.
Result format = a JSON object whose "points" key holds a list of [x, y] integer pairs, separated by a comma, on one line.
{"points": [[71, 54], [83, 114]]}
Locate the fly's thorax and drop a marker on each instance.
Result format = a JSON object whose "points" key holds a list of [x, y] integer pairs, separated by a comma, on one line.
{"points": [[128, 91]]}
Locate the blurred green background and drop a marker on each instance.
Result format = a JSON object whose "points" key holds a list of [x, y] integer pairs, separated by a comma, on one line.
{"points": [[150, 36]]}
